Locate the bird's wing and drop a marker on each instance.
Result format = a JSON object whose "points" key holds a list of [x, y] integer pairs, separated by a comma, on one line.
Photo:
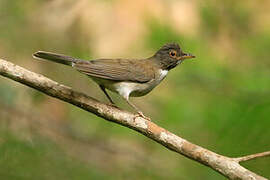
{"points": [[117, 69]]}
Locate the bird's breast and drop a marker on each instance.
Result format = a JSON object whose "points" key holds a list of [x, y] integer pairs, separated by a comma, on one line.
{"points": [[134, 89], [141, 89]]}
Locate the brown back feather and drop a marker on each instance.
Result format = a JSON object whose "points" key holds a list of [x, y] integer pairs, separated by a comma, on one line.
{"points": [[117, 69]]}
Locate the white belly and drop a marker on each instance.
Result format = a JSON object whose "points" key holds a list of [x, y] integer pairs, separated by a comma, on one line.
{"points": [[127, 89]]}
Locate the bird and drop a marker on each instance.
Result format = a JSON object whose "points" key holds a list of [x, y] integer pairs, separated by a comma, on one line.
{"points": [[126, 77]]}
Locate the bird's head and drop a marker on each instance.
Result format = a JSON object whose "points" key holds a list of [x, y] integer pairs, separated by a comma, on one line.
{"points": [[170, 55]]}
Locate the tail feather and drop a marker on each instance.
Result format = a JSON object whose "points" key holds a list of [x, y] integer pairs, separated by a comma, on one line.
{"points": [[58, 58]]}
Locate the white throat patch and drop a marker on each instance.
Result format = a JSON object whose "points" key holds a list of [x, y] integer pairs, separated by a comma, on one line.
{"points": [[163, 74]]}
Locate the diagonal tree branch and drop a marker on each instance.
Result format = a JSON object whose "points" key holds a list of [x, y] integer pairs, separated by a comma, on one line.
{"points": [[229, 167]]}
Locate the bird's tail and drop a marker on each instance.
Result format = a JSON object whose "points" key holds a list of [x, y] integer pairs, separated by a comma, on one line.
{"points": [[58, 58]]}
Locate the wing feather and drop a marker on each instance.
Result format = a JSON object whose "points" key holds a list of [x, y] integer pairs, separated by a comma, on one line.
{"points": [[117, 69]]}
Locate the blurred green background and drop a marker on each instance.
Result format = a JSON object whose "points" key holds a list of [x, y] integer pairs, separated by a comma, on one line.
{"points": [[220, 100]]}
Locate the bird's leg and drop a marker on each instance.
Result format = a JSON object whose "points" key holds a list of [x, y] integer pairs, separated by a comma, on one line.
{"points": [[138, 111], [107, 95]]}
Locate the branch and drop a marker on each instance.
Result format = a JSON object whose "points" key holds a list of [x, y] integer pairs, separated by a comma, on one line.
{"points": [[228, 167], [252, 156]]}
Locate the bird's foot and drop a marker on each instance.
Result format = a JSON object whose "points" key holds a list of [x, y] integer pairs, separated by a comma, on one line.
{"points": [[140, 114]]}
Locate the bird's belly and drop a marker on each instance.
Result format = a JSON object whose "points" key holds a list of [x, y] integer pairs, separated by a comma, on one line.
{"points": [[131, 88], [141, 89], [134, 89], [127, 88]]}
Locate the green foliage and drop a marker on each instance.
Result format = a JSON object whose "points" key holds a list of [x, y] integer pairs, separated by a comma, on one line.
{"points": [[8, 94], [40, 159], [210, 19], [220, 100], [159, 34]]}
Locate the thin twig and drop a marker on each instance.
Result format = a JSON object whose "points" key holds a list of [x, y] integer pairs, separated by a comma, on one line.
{"points": [[252, 156]]}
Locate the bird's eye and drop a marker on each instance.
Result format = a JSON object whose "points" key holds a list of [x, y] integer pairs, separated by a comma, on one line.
{"points": [[173, 53]]}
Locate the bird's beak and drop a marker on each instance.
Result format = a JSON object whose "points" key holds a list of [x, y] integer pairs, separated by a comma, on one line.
{"points": [[186, 56]]}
